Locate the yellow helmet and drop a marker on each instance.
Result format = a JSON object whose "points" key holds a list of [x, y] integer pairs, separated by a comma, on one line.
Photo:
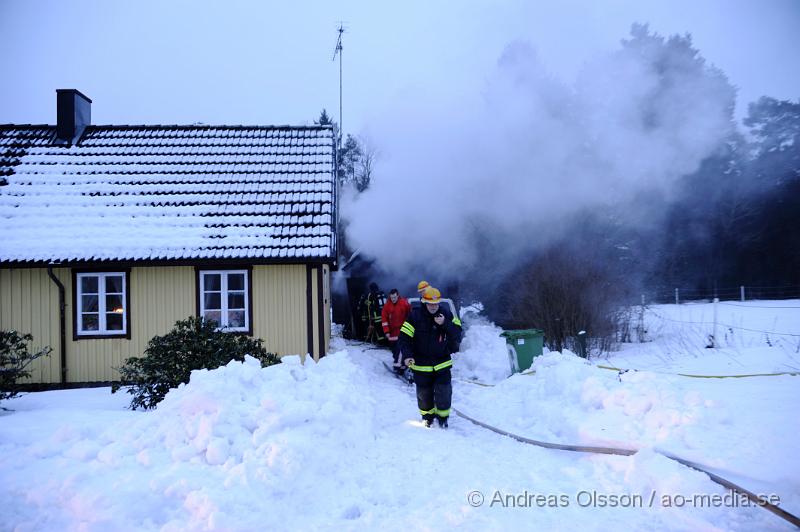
{"points": [[431, 296], [422, 286]]}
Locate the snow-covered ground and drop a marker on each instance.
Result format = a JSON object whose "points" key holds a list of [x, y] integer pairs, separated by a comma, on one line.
{"points": [[338, 445], [753, 336]]}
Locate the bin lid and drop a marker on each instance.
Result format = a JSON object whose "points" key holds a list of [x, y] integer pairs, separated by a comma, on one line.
{"points": [[522, 333]]}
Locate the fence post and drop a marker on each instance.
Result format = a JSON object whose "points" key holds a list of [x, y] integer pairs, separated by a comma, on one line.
{"points": [[714, 342], [640, 328], [677, 299], [741, 291], [582, 351]]}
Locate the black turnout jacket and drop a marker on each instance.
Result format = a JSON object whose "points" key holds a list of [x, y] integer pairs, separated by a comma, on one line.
{"points": [[426, 342]]}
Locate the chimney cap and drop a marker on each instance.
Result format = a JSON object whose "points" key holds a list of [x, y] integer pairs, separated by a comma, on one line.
{"points": [[75, 91]]}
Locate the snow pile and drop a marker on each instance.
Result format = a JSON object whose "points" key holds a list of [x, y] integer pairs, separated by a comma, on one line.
{"points": [[236, 428], [569, 400], [242, 413], [483, 356]]}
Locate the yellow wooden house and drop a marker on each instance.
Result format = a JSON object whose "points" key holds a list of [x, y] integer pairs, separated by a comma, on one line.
{"points": [[111, 234]]}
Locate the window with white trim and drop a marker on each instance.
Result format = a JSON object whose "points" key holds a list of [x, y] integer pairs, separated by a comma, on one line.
{"points": [[224, 298], [100, 304]]}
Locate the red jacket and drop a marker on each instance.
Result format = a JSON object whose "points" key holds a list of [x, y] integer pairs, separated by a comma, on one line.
{"points": [[393, 315]]}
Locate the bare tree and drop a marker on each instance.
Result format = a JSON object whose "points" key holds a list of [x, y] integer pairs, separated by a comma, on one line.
{"points": [[577, 284], [366, 164]]}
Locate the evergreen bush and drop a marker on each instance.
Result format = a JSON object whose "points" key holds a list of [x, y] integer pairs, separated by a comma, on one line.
{"points": [[193, 343], [14, 361]]}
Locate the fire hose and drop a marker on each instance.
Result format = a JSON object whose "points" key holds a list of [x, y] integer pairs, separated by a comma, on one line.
{"points": [[759, 501]]}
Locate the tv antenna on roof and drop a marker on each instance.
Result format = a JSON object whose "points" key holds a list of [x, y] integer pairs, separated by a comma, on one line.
{"points": [[338, 50]]}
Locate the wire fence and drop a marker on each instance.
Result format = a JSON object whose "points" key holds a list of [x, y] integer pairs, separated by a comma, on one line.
{"points": [[740, 293], [718, 330], [726, 325]]}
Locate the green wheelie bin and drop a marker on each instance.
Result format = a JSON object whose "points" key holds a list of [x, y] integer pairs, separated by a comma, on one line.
{"points": [[523, 345]]}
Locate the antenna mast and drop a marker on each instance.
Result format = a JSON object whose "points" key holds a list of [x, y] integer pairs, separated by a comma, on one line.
{"points": [[338, 50]]}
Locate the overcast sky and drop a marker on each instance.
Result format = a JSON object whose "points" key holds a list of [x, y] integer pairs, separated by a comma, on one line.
{"points": [[236, 62], [498, 119]]}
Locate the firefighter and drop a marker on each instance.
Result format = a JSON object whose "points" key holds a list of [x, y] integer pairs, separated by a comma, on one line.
{"points": [[427, 339], [421, 288], [394, 313], [373, 304]]}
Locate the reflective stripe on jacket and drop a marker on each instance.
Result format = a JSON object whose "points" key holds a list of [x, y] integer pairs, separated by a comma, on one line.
{"points": [[429, 344], [393, 315]]}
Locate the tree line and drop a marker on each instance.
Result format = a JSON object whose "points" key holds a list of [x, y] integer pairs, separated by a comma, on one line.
{"points": [[734, 221]]}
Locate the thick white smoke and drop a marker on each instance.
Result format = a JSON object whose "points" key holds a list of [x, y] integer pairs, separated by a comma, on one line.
{"points": [[514, 159]]}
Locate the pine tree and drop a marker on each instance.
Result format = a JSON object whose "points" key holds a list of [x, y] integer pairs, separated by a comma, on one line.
{"points": [[355, 161], [324, 119]]}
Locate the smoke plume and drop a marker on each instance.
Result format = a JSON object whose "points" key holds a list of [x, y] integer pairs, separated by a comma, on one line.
{"points": [[476, 181]]}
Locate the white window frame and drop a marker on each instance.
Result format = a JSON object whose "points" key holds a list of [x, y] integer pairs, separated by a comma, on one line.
{"points": [[223, 323], [102, 329]]}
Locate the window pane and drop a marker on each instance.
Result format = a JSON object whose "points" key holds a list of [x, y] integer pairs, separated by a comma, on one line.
{"points": [[114, 304], [213, 315], [212, 282], [113, 321], [236, 300], [236, 318], [236, 281], [89, 303], [90, 322], [89, 285], [212, 301], [114, 284]]}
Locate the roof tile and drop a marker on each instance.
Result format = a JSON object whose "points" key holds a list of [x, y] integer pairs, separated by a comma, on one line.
{"points": [[174, 192]]}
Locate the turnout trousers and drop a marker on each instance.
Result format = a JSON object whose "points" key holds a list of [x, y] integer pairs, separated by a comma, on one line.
{"points": [[395, 346], [434, 393]]}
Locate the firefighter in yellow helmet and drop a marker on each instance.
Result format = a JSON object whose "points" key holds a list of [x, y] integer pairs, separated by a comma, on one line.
{"points": [[428, 337], [421, 286]]}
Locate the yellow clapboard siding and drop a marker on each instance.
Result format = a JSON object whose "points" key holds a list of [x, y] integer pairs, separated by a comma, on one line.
{"points": [[28, 305], [279, 308], [315, 310], [326, 283], [159, 296]]}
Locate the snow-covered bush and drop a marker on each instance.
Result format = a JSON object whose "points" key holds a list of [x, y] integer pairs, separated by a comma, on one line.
{"points": [[14, 361], [193, 344]]}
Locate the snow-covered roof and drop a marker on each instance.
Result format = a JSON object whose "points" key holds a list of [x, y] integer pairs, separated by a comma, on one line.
{"points": [[161, 193]]}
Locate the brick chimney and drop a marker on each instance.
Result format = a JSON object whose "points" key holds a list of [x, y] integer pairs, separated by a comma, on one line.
{"points": [[74, 113]]}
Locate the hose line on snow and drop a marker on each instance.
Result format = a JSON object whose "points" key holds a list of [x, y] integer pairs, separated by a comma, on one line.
{"points": [[793, 373], [780, 512], [623, 370]]}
